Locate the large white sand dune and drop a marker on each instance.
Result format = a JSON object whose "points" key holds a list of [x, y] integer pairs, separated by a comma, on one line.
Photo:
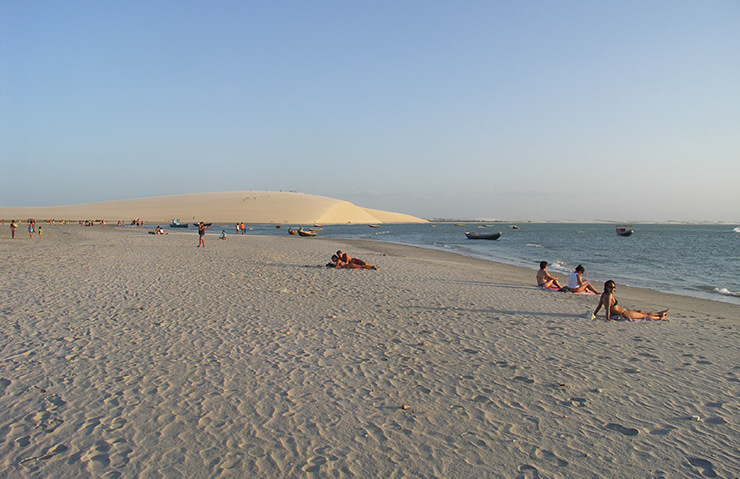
{"points": [[225, 207]]}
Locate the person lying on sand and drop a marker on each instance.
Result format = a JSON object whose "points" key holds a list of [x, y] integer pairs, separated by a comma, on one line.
{"points": [[576, 283], [346, 259], [612, 307], [545, 279], [338, 263]]}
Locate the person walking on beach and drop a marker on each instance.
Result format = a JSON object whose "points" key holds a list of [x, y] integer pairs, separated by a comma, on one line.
{"points": [[39, 231], [614, 310], [201, 234], [13, 227], [576, 283], [30, 229], [545, 279]]}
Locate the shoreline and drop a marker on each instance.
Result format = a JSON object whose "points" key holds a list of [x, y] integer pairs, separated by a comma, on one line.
{"points": [[124, 353]]}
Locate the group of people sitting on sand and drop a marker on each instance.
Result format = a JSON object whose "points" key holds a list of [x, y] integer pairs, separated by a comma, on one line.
{"points": [[343, 260], [577, 284]]}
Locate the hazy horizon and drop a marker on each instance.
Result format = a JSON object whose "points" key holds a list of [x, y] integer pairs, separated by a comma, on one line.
{"points": [[569, 111]]}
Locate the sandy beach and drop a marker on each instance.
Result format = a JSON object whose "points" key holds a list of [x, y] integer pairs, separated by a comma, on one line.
{"points": [[125, 354]]}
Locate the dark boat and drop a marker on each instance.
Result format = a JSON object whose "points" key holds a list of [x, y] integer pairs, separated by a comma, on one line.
{"points": [[623, 230], [303, 232], [483, 236], [177, 224]]}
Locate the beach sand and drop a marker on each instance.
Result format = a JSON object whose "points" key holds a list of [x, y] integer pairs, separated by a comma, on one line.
{"points": [[256, 207], [125, 354]]}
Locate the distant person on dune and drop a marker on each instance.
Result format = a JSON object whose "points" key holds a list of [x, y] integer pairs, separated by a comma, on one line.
{"points": [[614, 310], [545, 279]]}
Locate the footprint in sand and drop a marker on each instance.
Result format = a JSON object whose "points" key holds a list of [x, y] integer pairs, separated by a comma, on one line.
{"points": [[706, 467], [543, 454], [4, 383], [528, 472], [627, 431], [523, 379], [314, 464]]}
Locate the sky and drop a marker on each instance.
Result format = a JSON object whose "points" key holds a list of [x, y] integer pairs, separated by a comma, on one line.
{"points": [[534, 110]]}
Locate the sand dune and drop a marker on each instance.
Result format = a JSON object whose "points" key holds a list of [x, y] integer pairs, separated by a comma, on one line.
{"points": [[256, 207]]}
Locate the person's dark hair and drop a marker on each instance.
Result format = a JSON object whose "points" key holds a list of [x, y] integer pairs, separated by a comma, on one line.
{"points": [[543, 264], [609, 285], [334, 258], [580, 269]]}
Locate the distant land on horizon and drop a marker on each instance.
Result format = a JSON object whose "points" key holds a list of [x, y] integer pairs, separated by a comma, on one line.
{"points": [[253, 207]]}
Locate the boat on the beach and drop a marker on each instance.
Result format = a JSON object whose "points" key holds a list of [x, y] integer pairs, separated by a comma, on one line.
{"points": [[303, 232], [624, 230], [483, 236], [177, 224]]}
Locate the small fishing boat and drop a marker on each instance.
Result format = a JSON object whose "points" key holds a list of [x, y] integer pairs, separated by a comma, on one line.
{"points": [[177, 224], [316, 229], [303, 232], [483, 236], [624, 230], [374, 226], [291, 231]]}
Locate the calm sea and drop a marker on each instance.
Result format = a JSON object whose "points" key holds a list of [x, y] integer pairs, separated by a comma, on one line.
{"points": [[701, 261]]}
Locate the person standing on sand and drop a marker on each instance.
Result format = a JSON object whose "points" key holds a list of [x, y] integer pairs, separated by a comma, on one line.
{"points": [[13, 227], [201, 234], [30, 229], [39, 231], [576, 283]]}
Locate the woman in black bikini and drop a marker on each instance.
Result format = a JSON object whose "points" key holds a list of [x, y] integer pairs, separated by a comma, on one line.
{"points": [[612, 307]]}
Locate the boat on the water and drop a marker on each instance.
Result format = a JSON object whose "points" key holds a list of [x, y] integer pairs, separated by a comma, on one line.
{"points": [[374, 226], [624, 230], [177, 224], [483, 236], [303, 232]]}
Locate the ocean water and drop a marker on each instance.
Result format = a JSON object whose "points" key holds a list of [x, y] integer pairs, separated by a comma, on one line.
{"points": [[701, 261]]}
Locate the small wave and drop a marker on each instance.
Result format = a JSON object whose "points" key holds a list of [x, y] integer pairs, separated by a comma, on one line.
{"points": [[737, 230], [534, 245], [727, 292]]}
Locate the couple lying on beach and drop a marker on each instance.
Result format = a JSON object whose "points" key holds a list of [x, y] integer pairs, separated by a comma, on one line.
{"points": [[343, 260], [576, 284]]}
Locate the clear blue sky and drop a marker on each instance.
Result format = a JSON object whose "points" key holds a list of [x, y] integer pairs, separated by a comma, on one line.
{"points": [[588, 110]]}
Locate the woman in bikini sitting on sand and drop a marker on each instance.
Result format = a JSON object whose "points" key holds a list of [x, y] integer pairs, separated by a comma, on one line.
{"points": [[612, 307], [545, 279]]}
